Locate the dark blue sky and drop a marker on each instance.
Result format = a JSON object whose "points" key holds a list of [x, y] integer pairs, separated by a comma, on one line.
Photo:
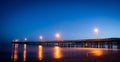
{"points": [[73, 19]]}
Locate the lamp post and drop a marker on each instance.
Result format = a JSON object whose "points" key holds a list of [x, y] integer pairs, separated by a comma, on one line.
{"points": [[41, 38], [96, 30], [57, 35], [16, 40], [25, 39]]}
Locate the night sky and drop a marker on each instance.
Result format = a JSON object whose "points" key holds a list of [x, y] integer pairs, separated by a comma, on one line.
{"points": [[73, 19]]}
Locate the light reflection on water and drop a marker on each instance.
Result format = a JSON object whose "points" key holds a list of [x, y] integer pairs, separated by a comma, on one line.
{"points": [[40, 52], [57, 52], [15, 53], [24, 52], [95, 51]]}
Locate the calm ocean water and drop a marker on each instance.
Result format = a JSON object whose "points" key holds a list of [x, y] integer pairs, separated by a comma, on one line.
{"points": [[39, 53]]}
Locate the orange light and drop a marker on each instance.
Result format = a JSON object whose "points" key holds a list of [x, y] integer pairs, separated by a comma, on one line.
{"points": [[40, 53], [57, 52], [94, 51], [97, 52], [24, 53], [15, 54]]}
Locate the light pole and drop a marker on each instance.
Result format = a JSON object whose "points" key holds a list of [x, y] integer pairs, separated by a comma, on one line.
{"points": [[96, 30], [16, 40], [25, 39], [41, 38], [57, 35]]}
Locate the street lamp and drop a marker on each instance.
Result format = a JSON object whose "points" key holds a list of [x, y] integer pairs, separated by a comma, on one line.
{"points": [[25, 39], [16, 40], [96, 30], [41, 37], [57, 35]]}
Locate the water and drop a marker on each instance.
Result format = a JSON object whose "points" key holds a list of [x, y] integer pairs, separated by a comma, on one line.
{"points": [[39, 53]]}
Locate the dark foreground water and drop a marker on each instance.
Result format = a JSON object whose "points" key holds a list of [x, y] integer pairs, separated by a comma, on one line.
{"points": [[38, 53]]}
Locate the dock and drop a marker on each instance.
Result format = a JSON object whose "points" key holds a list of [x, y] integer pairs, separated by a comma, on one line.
{"points": [[92, 43]]}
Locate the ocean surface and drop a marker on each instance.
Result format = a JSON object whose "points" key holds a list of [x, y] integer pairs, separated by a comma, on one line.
{"points": [[39, 53]]}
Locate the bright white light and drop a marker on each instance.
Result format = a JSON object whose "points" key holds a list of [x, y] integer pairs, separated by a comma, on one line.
{"points": [[25, 39], [57, 35], [41, 37], [96, 30]]}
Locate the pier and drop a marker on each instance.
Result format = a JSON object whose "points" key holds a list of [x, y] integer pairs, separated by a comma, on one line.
{"points": [[92, 43]]}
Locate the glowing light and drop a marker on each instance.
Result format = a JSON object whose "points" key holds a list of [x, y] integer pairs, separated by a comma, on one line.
{"points": [[57, 52], [25, 39], [24, 52], [16, 40], [57, 35], [15, 53], [40, 53], [97, 52], [94, 51], [96, 30], [41, 37]]}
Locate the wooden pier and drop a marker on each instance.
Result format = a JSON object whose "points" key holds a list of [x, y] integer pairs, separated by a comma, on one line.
{"points": [[92, 43]]}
